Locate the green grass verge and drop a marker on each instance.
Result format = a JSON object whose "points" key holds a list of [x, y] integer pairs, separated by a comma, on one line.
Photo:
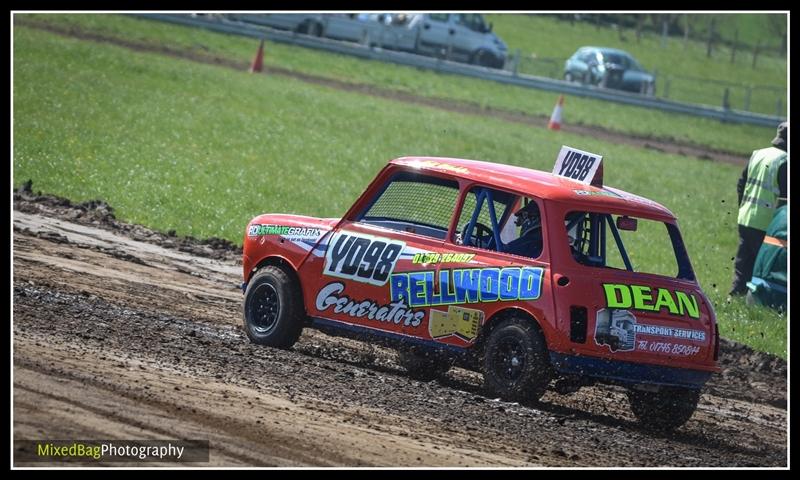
{"points": [[694, 77], [627, 119], [173, 144]]}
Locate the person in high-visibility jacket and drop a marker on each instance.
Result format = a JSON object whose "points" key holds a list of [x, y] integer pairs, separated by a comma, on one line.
{"points": [[761, 189]]}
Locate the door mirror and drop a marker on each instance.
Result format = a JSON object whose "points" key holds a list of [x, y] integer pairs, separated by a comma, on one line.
{"points": [[489, 29], [626, 223]]}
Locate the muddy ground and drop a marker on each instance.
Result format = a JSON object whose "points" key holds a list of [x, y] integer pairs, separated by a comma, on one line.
{"points": [[200, 54], [124, 333]]}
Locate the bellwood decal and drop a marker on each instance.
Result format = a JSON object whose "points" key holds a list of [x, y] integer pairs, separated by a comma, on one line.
{"points": [[362, 257], [471, 285], [640, 297]]}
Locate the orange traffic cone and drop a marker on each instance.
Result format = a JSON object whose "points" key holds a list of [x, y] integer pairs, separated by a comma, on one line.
{"points": [[555, 118], [258, 61]]}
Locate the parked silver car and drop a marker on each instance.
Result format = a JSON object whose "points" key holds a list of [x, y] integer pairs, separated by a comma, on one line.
{"points": [[609, 68], [459, 37]]}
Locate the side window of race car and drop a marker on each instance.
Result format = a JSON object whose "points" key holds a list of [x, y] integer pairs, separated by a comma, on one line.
{"points": [[652, 247], [414, 203], [483, 217]]}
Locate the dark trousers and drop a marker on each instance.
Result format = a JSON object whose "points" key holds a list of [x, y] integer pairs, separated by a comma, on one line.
{"points": [[750, 240]]}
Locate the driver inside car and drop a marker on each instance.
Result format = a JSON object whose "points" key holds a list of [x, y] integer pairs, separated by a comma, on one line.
{"points": [[529, 243]]}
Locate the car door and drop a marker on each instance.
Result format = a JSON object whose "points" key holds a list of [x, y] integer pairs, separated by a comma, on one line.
{"points": [[353, 271], [612, 305], [474, 281], [435, 34]]}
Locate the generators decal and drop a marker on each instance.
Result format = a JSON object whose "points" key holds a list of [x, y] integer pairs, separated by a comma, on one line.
{"points": [[618, 330], [468, 285], [432, 257], [257, 230], [640, 297], [361, 257], [456, 321], [330, 297]]}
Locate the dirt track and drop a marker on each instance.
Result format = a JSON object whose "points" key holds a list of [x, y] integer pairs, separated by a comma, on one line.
{"points": [[120, 332], [667, 145]]}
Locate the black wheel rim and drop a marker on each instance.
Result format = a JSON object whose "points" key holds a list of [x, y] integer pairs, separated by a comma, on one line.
{"points": [[265, 307], [509, 358]]}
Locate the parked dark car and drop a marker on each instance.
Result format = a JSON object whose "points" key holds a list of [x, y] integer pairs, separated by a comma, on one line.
{"points": [[609, 68]]}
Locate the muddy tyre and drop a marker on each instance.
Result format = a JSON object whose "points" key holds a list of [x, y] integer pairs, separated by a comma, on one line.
{"points": [[422, 365], [515, 361], [273, 309], [666, 409]]}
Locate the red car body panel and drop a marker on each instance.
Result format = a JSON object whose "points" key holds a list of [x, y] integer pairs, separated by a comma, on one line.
{"points": [[411, 293]]}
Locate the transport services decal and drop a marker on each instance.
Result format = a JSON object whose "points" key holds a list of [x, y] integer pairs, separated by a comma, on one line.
{"points": [[469, 285], [619, 330]]}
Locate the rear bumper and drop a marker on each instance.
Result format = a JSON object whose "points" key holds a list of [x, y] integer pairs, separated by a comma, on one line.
{"points": [[627, 372]]}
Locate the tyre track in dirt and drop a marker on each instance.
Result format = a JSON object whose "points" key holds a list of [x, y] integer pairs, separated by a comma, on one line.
{"points": [[149, 345], [671, 146]]}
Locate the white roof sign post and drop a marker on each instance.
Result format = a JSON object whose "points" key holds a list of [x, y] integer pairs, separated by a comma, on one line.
{"points": [[584, 167]]}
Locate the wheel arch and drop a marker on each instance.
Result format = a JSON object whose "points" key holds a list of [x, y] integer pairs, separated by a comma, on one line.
{"points": [[498, 317], [283, 264]]}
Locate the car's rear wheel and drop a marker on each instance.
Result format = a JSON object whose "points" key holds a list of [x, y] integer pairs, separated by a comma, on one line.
{"points": [[666, 409], [515, 363], [569, 77], [273, 308]]}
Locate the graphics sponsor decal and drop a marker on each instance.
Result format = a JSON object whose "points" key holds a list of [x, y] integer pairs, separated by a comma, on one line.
{"points": [[257, 230], [330, 297], [469, 285], [459, 321], [604, 193], [361, 257], [641, 297], [441, 166], [430, 257], [618, 330]]}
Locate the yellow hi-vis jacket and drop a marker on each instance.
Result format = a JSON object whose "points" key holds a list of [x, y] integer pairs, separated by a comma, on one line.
{"points": [[761, 192]]}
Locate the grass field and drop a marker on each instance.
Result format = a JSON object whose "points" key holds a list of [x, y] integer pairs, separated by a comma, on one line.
{"points": [[694, 77], [200, 149], [736, 138]]}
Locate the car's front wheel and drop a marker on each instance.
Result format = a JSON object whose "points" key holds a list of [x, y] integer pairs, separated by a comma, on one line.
{"points": [[273, 308], [515, 363], [666, 409]]}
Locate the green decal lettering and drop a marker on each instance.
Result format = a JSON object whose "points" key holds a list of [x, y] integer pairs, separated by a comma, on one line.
{"points": [[641, 297], [665, 300], [687, 305], [617, 295]]}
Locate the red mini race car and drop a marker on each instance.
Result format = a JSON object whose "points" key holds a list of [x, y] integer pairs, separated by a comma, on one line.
{"points": [[535, 279]]}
